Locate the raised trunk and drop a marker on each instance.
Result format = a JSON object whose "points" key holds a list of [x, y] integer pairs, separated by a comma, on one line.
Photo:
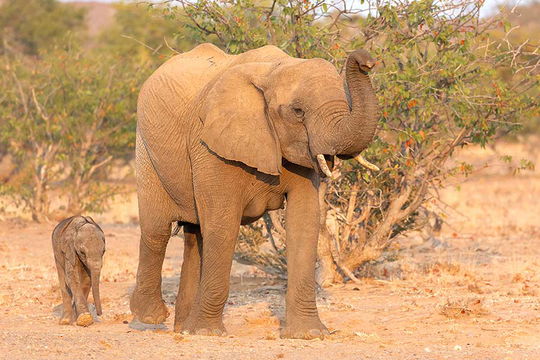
{"points": [[365, 112], [95, 290], [350, 132]]}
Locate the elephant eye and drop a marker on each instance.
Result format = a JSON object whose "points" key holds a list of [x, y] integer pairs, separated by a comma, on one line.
{"points": [[298, 112]]}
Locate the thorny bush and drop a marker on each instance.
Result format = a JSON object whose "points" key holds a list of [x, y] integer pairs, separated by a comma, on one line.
{"points": [[440, 88]]}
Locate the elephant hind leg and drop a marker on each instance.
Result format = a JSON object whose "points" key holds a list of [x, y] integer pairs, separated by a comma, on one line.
{"points": [[190, 276], [67, 300], [219, 234]]}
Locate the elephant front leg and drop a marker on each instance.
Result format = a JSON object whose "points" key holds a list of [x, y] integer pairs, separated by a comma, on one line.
{"points": [[190, 276], [146, 302], [302, 227], [219, 231], [76, 283]]}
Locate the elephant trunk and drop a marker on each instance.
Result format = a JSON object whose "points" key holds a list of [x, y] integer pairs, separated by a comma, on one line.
{"points": [[351, 130], [95, 273], [362, 121]]}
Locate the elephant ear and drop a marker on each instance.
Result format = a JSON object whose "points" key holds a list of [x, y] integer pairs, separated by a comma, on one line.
{"points": [[90, 220], [235, 121], [64, 225]]}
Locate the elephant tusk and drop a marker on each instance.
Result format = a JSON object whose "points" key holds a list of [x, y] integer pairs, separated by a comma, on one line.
{"points": [[323, 165], [366, 163]]}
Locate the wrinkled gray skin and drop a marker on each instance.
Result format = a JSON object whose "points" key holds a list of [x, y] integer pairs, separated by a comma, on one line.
{"points": [[79, 245], [220, 140]]}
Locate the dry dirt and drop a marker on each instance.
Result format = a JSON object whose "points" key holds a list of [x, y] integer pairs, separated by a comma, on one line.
{"points": [[472, 293]]}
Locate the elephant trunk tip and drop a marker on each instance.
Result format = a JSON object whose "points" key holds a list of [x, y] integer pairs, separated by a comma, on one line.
{"points": [[98, 309], [95, 292]]}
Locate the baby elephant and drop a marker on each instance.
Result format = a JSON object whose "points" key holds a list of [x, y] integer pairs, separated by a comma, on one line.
{"points": [[78, 244]]}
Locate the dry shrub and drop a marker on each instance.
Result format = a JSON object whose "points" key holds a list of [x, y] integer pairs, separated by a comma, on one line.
{"points": [[253, 247], [440, 86]]}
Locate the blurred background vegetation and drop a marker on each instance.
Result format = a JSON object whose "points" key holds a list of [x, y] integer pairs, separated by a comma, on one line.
{"points": [[71, 71]]}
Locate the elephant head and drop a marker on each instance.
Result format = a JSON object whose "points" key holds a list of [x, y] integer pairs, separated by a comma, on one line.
{"points": [[89, 246], [261, 112]]}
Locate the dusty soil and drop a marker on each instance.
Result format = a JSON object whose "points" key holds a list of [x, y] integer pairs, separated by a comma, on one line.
{"points": [[471, 293]]}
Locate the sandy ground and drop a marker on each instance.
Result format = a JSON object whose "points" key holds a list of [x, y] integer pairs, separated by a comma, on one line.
{"points": [[471, 294]]}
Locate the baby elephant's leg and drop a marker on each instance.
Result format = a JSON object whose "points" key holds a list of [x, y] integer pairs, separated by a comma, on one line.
{"points": [[85, 287], [86, 283], [67, 301], [76, 283]]}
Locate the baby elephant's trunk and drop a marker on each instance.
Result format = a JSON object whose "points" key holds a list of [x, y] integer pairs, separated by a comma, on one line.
{"points": [[95, 290]]}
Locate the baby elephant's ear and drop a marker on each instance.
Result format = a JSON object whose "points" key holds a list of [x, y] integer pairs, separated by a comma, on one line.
{"points": [[93, 222], [66, 225], [78, 222], [235, 123], [90, 219]]}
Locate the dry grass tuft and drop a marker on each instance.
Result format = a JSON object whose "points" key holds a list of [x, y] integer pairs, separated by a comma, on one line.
{"points": [[122, 318], [440, 268], [463, 308], [270, 336], [369, 338], [264, 317], [518, 278], [475, 288], [105, 344], [527, 290]]}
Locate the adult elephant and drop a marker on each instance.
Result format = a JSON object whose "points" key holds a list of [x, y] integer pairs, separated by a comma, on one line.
{"points": [[220, 140]]}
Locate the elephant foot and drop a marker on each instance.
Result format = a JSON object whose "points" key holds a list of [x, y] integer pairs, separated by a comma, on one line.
{"points": [[85, 319], [304, 329], [202, 327], [66, 320], [178, 325], [181, 315], [148, 309]]}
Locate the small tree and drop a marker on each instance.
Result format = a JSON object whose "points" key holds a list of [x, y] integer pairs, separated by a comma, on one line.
{"points": [[439, 88], [64, 119], [141, 33], [35, 25]]}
